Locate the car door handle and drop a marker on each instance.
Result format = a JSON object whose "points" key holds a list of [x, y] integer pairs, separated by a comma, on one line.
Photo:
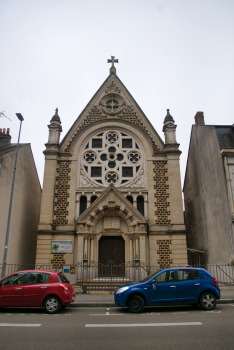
{"points": [[197, 284], [18, 288], [43, 287], [172, 286]]}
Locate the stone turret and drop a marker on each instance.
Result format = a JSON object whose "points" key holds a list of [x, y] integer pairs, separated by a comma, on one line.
{"points": [[169, 129], [55, 129]]}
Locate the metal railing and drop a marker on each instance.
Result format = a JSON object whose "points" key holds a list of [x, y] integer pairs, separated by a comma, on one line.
{"points": [[97, 277]]}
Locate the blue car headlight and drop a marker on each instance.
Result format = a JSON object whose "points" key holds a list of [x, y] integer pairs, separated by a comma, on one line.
{"points": [[121, 290]]}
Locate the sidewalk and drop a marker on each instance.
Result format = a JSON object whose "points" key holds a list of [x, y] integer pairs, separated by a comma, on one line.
{"points": [[105, 299]]}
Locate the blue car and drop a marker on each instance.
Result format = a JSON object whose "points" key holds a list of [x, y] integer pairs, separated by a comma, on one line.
{"points": [[172, 286]]}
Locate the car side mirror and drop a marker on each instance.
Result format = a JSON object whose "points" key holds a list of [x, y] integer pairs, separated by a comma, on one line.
{"points": [[152, 282]]}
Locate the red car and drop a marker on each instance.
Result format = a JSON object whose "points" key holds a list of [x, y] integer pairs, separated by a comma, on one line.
{"points": [[47, 289]]}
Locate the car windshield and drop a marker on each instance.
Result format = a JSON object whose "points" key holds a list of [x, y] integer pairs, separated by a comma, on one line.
{"points": [[62, 278], [150, 276]]}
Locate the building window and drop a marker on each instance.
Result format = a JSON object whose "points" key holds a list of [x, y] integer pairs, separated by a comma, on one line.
{"points": [[140, 205], [93, 198], [83, 204], [130, 199]]}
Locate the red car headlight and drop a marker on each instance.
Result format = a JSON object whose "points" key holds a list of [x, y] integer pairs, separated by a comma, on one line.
{"points": [[64, 286]]}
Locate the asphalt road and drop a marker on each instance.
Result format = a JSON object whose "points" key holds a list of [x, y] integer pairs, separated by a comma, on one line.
{"points": [[115, 328]]}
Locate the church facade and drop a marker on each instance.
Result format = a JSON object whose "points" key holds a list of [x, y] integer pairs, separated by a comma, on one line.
{"points": [[112, 187]]}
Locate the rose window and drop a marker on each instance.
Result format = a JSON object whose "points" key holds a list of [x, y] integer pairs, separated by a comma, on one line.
{"points": [[112, 157]]}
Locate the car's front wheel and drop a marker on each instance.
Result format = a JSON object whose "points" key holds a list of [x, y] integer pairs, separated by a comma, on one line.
{"points": [[208, 301], [52, 304], [135, 304]]}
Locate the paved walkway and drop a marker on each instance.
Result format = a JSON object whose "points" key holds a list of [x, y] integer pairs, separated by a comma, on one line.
{"points": [[105, 299]]}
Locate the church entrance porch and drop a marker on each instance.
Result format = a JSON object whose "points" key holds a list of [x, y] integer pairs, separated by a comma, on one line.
{"points": [[111, 257]]}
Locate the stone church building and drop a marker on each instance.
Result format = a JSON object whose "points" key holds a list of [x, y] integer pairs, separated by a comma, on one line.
{"points": [[112, 187]]}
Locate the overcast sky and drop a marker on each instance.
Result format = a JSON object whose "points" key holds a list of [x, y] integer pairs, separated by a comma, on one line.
{"points": [[176, 54]]}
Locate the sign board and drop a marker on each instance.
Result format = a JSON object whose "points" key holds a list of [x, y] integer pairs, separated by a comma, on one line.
{"points": [[72, 270], [66, 269], [61, 246]]}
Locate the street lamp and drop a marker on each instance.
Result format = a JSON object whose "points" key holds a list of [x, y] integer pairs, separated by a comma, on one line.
{"points": [[20, 117]]}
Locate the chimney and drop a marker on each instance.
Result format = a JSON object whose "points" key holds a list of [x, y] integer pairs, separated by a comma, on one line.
{"points": [[5, 137], [199, 119]]}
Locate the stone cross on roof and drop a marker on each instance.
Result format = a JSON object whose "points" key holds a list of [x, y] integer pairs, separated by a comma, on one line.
{"points": [[113, 61]]}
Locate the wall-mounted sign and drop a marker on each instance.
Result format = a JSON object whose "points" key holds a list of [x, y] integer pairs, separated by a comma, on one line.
{"points": [[72, 270], [66, 269], [61, 246]]}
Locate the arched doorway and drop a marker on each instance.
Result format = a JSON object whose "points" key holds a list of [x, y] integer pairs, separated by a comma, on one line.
{"points": [[111, 256]]}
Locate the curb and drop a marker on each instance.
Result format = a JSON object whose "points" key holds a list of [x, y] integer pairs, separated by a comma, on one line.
{"points": [[110, 304]]}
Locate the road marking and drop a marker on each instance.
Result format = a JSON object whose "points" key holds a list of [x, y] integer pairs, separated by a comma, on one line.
{"points": [[179, 313], [19, 325], [106, 314], [211, 312], [231, 304], [143, 325], [108, 309], [67, 314], [151, 313]]}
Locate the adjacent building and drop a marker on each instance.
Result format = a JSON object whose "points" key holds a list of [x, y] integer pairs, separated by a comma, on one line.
{"points": [[208, 193], [26, 201], [112, 187]]}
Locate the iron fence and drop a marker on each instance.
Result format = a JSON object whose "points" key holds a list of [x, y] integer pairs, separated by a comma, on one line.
{"points": [[97, 277]]}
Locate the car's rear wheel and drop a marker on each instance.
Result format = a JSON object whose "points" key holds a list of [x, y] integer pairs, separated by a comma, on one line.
{"points": [[52, 304], [208, 301], [135, 304]]}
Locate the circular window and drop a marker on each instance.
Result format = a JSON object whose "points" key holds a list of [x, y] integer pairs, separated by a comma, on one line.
{"points": [[134, 157], [90, 157], [112, 149], [111, 178], [112, 137], [112, 105]]}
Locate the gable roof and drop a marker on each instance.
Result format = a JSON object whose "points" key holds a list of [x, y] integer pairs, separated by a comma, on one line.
{"points": [[92, 114], [112, 203]]}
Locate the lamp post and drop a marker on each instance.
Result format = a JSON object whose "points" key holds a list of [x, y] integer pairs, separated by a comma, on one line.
{"points": [[20, 117]]}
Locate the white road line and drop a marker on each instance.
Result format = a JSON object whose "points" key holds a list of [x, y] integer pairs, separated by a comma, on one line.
{"points": [[179, 313], [151, 313], [19, 325], [107, 314], [143, 325], [231, 304]]}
